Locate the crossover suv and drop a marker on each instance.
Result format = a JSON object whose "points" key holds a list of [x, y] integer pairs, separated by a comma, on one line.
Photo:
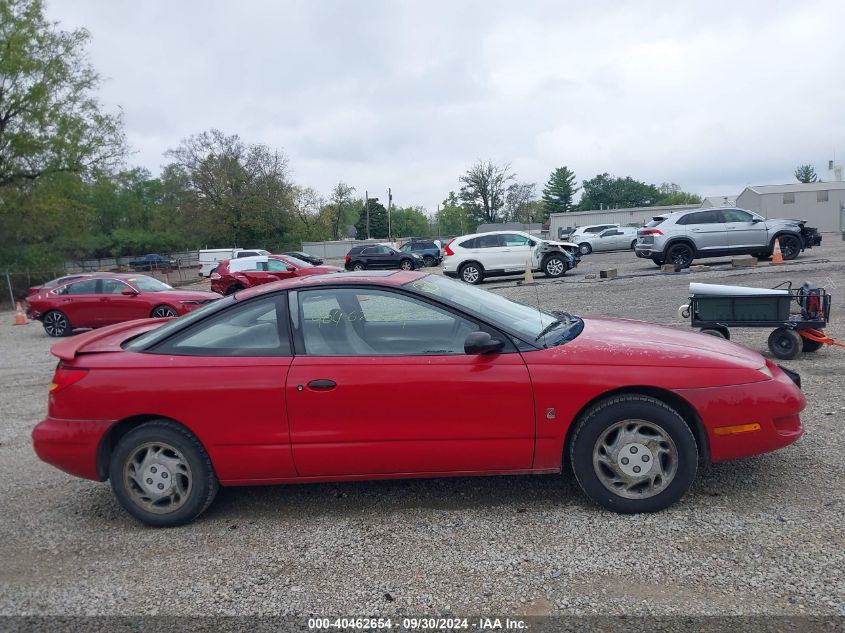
{"points": [[679, 238], [427, 249], [378, 256], [471, 258]]}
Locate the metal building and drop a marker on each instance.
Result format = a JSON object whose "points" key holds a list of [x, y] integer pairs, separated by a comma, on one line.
{"points": [[822, 204]]}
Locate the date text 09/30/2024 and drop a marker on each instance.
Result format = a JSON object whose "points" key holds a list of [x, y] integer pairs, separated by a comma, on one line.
{"points": [[417, 624]]}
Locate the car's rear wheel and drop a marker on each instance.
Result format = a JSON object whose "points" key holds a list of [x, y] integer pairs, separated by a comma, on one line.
{"points": [[163, 312], [785, 343], [56, 323], [633, 244], [471, 273], [358, 266], [681, 255], [790, 246], [633, 453], [555, 266], [161, 474], [406, 264], [585, 248], [428, 261]]}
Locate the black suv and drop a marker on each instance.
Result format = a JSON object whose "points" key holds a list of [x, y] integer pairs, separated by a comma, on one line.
{"points": [[377, 256], [427, 249]]}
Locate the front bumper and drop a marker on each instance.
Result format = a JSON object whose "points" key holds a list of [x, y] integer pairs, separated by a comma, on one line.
{"points": [[70, 445], [773, 404]]}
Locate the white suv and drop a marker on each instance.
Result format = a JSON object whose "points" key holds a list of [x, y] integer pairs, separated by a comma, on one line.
{"points": [[471, 258]]}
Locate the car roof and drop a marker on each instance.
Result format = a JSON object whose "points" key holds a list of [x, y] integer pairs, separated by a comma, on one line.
{"points": [[471, 235], [391, 278]]}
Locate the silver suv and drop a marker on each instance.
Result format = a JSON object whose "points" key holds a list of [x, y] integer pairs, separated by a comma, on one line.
{"points": [[679, 238]]}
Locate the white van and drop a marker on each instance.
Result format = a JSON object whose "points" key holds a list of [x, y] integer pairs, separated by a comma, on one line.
{"points": [[209, 257]]}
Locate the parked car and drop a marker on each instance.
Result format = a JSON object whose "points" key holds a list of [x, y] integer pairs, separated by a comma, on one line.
{"points": [[56, 282], [427, 249], [683, 236], [379, 256], [305, 257], [471, 258], [237, 274], [152, 262], [588, 230], [617, 238], [210, 257], [107, 298], [528, 391]]}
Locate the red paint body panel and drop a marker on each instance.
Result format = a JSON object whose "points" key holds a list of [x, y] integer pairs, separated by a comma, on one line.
{"points": [[222, 279], [436, 415]]}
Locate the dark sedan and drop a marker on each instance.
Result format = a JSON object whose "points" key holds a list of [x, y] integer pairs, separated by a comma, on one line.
{"points": [[306, 257], [152, 262]]}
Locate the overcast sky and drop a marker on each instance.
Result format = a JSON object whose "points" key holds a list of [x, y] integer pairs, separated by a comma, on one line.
{"points": [[711, 95]]}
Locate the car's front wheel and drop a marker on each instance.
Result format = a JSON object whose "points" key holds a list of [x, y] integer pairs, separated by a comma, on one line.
{"points": [[681, 255], [555, 266], [56, 324], [163, 312], [161, 474], [471, 273], [633, 453], [790, 246], [406, 264]]}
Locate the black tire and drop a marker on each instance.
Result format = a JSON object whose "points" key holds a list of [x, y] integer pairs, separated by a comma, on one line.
{"points": [[633, 244], [714, 332], [681, 255], [810, 346], [657, 262], [163, 311], [584, 248], [428, 261], [406, 264], [670, 432], [555, 265], [790, 246], [233, 289], [202, 487], [359, 266], [785, 343], [471, 273], [56, 324]]}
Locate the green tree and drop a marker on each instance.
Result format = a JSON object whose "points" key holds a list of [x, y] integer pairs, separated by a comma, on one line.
{"points": [[670, 193], [50, 119], [805, 174], [451, 218], [610, 192], [517, 197], [483, 188], [341, 199], [559, 190], [409, 222], [378, 221]]}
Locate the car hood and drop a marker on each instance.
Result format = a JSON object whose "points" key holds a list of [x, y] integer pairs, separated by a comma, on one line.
{"points": [[612, 341], [567, 244]]}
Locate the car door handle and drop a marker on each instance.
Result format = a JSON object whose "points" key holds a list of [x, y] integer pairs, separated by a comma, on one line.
{"points": [[323, 384]]}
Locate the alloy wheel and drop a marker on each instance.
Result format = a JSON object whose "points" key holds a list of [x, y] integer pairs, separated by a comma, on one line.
{"points": [[162, 312], [555, 267], [157, 477], [55, 323], [406, 265], [470, 274], [635, 459]]}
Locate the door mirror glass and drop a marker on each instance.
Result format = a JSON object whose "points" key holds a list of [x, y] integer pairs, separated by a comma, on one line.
{"points": [[755, 220], [128, 292], [482, 343]]}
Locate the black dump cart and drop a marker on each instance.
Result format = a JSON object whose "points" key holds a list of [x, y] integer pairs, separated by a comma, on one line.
{"points": [[798, 316]]}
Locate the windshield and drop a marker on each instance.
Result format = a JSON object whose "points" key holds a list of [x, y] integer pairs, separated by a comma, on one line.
{"points": [[655, 222], [148, 284], [543, 328]]}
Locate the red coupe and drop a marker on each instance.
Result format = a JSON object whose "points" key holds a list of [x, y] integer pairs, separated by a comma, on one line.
{"points": [[237, 274], [104, 298], [343, 376]]}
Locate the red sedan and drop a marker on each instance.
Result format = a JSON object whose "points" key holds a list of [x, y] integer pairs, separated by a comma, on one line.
{"points": [[237, 274], [105, 298], [315, 370]]}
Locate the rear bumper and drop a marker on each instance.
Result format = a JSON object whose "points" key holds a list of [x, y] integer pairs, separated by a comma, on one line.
{"points": [[773, 404], [70, 445], [647, 251]]}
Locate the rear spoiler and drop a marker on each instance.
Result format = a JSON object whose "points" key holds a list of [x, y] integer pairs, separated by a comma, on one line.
{"points": [[71, 347]]}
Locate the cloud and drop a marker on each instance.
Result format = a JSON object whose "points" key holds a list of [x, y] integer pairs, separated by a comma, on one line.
{"points": [[405, 94]]}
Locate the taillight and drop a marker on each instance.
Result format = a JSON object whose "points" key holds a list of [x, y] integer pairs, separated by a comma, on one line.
{"points": [[347, 258], [448, 251], [652, 232], [215, 276], [65, 377]]}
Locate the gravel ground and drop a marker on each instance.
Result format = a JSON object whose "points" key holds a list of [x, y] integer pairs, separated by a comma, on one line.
{"points": [[759, 536]]}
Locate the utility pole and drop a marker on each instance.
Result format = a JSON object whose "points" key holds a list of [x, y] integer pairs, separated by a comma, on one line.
{"points": [[437, 217], [389, 205], [367, 207]]}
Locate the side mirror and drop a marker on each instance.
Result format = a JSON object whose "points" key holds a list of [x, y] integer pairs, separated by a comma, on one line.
{"points": [[128, 292], [756, 220], [482, 343], [290, 269]]}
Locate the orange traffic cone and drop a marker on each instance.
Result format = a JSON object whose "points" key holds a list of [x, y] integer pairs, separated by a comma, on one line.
{"points": [[20, 317], [777, 256], [529, 276]]}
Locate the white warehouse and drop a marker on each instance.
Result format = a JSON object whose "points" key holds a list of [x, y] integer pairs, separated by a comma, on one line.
{"points": [[822, 204]]}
